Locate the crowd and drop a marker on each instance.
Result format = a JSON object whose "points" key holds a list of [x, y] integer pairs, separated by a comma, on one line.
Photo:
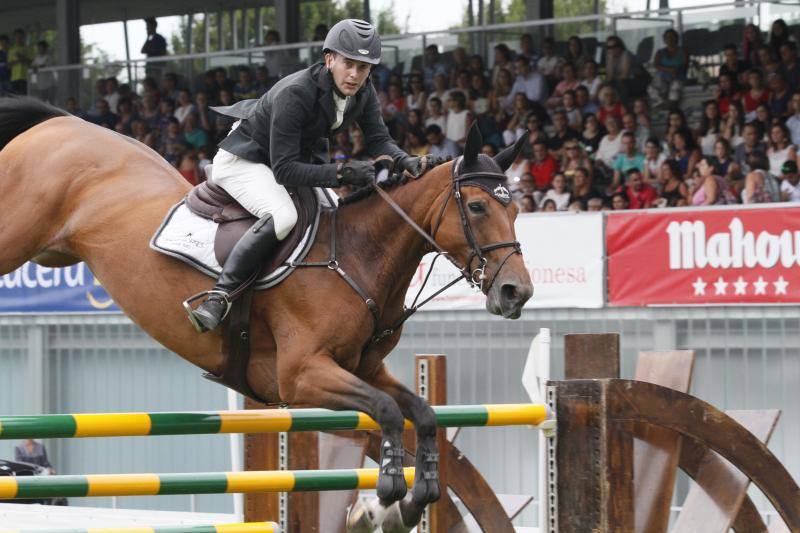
{"points": [[591, 141]]}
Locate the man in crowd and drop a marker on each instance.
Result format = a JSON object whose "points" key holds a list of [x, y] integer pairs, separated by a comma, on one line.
{"points": [[628, 159], [529, 82], [441, 146], [790, 182], [640, 195]]}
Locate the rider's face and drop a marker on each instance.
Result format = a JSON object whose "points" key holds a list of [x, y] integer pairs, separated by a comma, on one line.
{"points": [[348, 75]]}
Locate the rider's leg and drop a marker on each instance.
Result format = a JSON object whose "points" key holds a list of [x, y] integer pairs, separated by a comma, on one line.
{"points": [[253, 185]]}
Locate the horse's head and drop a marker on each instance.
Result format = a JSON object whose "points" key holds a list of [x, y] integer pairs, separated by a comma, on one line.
{"points": [[475, 225]]}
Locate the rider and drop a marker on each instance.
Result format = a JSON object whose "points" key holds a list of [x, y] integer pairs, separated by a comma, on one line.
{"points": [[274, 143]]}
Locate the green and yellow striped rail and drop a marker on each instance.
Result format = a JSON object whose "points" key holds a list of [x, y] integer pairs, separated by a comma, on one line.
{"points": [[250, 421], [25, 487], [249, 527]]}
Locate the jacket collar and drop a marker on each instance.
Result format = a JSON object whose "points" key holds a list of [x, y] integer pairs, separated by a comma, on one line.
{"points": [[326, 91]]}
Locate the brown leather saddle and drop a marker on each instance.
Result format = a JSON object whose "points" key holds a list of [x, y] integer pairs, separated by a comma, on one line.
{"points": [[210, 201]]}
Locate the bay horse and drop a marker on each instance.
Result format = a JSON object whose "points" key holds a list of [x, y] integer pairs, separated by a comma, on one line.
{"points": [[72, 191]]}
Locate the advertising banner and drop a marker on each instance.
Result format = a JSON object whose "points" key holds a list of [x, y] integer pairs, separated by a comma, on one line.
{"points": [[564, 256], [717, 256]]}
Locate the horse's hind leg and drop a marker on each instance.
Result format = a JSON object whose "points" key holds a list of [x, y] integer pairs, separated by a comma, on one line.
{"points": [[319, 381]]}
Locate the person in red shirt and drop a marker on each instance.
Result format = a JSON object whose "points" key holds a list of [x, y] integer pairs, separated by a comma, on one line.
{"points": [[640, 195], [543, 166], [758, 94]]}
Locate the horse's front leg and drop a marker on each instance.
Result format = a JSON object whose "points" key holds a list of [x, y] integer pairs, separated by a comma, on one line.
{"points": [[426, 480], [318, 381]]}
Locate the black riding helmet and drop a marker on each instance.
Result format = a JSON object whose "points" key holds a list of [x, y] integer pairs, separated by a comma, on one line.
{"points": [[354, 39]]}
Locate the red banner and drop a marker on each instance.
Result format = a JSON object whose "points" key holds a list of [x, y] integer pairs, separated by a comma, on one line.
{"points": [[716, 256]]}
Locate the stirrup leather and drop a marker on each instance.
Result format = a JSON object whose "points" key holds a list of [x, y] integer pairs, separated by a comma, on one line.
{"points": [[187, 305]]}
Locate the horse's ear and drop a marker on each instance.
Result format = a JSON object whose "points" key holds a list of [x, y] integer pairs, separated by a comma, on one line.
{"points": [[473, 145], [507, 156]]}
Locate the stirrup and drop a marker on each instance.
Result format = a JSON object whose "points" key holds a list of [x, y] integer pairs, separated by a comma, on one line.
{"points": [[187, 305]]}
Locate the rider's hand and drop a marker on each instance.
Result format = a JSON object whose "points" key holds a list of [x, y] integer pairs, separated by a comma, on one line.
{"points": [[356, 173], [417, 166]]}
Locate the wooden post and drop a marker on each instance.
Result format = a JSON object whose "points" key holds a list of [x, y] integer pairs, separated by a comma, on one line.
{"points": [[431, 382]]}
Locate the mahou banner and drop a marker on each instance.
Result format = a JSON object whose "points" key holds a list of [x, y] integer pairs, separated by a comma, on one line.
{"points": [[716, 256]]}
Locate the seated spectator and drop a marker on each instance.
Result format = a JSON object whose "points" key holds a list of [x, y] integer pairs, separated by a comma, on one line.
{"points": [[640, 132], [184, 106], [558, 194], [549, 63], [222, 123], [244, 89], [570, 108], [793, 122], [767, 61], [126, 116], [501, 96], [620, 66], [790, 182], [112, 94], [763, 121], [619, 201], [359, 150], [779, 34], [476, 66], [595, 204], [548, 206], [591, 80], [166, 110], [104, 116], [416, 97], [489, 149], [780, 148], [202, 111], [640, 195], [733, 67], [416, 142], [733, 127], [751, 143], [516, 123], [518, 169], [760, 187], [169, 85], [263, 82], [188, 168], [435, 114], [569, 83], [576, 54], [685, 152], [791, 67], [535, 129], [441, 145], [71, 106], [543, 167], [710, 188], [574, 158], [710, 127], [726, 94], [141, 132], [671, 64], [674, 192], [592, 133], [654, 158], [576, 206], [150, 112], [434, 67], [478, 95], [194, 136], [530, 83], [502, 61], [723, 158], [172, 142], [628, 159], [610, 146], [527, 204], [414, 119], [751, 42], [459, 118], [676, 121], [561, 134], [779, 96], [526, 49], [462, 84], [584, 102], [755, 95], [440, 89], [609, 105], [395, 104], [583, 189]]}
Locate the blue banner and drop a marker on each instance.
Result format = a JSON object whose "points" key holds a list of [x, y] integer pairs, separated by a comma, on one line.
{"points": [[37, 289]]}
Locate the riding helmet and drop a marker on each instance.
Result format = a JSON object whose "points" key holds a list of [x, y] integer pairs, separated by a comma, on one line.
{"points": [[354, 39]]}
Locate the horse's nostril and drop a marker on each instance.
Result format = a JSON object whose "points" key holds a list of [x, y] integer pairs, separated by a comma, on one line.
{"points": [[508, 292]]}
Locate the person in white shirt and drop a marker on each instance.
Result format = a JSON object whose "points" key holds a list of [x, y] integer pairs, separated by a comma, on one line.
{"points": [[529, 82], [436, 114], [112, 94], [591, 80], [549, 63], [793, 122], [790, 182]]}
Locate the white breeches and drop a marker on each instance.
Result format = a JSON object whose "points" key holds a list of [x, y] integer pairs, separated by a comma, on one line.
{"points": [[253, 185]]}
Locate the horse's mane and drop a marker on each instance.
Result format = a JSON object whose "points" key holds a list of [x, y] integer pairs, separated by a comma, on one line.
{"points": [[394, 180], [20, 113]]}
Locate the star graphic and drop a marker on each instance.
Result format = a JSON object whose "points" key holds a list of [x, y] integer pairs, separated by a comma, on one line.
{"points": [[740, 286], [720, 286], [760, 285], [780, 286], [699, 287]]}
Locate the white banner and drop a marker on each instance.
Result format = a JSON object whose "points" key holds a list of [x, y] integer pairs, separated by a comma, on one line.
{"points": [[564, 256]]}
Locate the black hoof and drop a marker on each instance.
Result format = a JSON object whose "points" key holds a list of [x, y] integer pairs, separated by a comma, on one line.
{"points": [[391, 487]]}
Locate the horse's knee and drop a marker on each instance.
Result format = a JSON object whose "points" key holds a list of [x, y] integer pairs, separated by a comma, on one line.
{"points": [[387, 413], [425, 422]]}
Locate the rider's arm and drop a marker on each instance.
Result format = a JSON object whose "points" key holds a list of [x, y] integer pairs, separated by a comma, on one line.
{"points": [[285, 144], [376, 135]]}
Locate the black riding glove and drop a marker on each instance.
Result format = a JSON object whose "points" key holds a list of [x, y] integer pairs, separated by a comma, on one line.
{"points": [[356, 173], [417, 166]]}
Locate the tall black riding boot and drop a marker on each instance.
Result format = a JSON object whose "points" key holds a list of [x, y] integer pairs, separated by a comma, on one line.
{"points": [[245, 258]]}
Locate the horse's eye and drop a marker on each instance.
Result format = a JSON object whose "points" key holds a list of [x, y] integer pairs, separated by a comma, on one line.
{"points": [[477, 207]]}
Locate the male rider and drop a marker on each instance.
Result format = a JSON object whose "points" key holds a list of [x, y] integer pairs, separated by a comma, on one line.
{"points": [[277, 138]]}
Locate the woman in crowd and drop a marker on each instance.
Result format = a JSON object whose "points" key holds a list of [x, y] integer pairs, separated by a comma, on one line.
{"points": [[416, 97], [570, 107], [780, 148], [609, 104], [733, 127], [710, 188], [502, 61], [416, 142], [591, 80], [582, 188], [592, 133], [760, 187], [685, 152], [674, 192], [558, 194], [569, 82], [479, 95], [610, 146], [726, 93], [778, 36], [459, 118], [516, 124], [501, 99], [723, 158], [575, 54], [574, 158], [757, 94], [436, 114], [750, 44], [654, 159], [710, 127], [763, 120], [676, 121]]}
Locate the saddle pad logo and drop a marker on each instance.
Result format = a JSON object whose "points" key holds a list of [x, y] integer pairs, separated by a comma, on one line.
{"points": [[502, 193], [363, 52]]}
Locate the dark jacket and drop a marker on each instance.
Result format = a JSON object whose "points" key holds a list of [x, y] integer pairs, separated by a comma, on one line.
{"points": [[290, 125]]}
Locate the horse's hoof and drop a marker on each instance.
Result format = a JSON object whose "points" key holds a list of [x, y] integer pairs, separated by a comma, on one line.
{"points": [[364, 516], [391, 487], [393, 521], [425, 491]]}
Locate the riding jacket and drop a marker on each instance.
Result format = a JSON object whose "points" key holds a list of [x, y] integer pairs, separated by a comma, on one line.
{"points": [[288, 128]]}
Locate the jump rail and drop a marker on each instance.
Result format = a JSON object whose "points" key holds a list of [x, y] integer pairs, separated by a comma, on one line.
{"points": [[250, 527], [251, 421]]}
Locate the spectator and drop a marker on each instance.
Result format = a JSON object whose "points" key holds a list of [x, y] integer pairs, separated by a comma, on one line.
{"points": [[489, 149], [654, 158], [561, 134], [733, 128], [570, 108], [359, 151], [478, 95], [768, 64], [574, 158], [530, 83], [414, 119], [433, 65], [628, 159], [584, 102], [595, 204], [591, 80], [723, 158], [19, 61], [202, 111], [417, 97], [751, 143], [733, 67], [549, 64], [640, 195], [501, 96], [263, 82], [671, 64], [502, 61], [440, 89], [575, 53], [640, 132], [558, 194], [172, 144], [592, 133], [155, 45], [141, 132], [170, 84], [435, 114], [685, 152], [74, 109], [395, 104], [790, 182], [526, 48], [583, 189], [150, 88], [126, 115], [757, 94], [223, 82], [527, 204], [112, 95], [641, 111], [780, 148], [619, 201], [440, 145], [710, 188], [726, 93], [476, 65], [462, 83], [519, 169], [44, 82], [779, 96], [5, 71], [569, 83], [791, 67], [459, 63], [674, 192], [150, 112], [320, 32], [194, 137], [752, 41], [619, 65], [610, 146], [793, 122], [760, 187], [676, 121], [33, 452], [548, 206], [166, 112], [543, 167], [710, 127], [185, 107], [104, 116], [534, 127], [778, 36], [609, 105], [516, 124], [416, 143], [245, 88], [189, 168]]}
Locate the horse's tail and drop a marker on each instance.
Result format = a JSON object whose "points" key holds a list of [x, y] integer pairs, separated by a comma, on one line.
{"points": [[19, 113]]}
